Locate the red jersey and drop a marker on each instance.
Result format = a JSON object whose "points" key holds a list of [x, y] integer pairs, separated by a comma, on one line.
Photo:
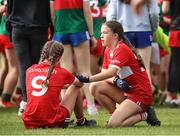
{"points": [[43, 106], [131, 71]]}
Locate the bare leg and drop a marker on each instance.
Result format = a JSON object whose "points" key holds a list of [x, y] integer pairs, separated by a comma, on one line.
{"points": [[82, 55], [67, 58], [12, 75], [146, 56], [95, 68], [126, 114], [3, 71], [67, 62], [107, 94], [72, 100]]}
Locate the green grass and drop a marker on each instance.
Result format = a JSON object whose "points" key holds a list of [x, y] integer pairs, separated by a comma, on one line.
{"points": [[11, 124]]}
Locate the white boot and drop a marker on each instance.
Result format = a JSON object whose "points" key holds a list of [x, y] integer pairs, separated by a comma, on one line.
{"points": [[91, 109], [22, 108]]}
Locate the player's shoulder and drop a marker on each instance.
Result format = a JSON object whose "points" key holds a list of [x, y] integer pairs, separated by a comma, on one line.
{"points": [[61, 70], [122, 46]]}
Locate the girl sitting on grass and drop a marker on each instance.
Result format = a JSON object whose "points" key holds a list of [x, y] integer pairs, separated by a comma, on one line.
{"points": [[44, 82]]}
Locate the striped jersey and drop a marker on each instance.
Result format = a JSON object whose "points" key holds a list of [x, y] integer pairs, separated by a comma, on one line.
{"points": [[69, 16], [3, 21], [97, 14]]}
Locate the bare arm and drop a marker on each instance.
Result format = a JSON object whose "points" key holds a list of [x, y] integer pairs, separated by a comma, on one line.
{"points": [[165, 7], [77, 83], [105, 74], [52, 11], [89, 21], [167, 20], [2, 8], [88, 17]]}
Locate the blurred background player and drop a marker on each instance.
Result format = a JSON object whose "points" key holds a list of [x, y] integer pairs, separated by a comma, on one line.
{"points": [[9, 64], [162, 38], [96, 52], [73, 26], [97, 11], [174, 44], [29, 21], [137, 28]]}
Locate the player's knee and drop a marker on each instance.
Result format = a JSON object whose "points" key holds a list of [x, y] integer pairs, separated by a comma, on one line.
{"points": [[114, 124], [93, 89]]}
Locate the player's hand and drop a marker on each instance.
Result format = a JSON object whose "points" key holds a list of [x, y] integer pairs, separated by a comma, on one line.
{"points": [[93, 43], [122, 84], [83, 78]]}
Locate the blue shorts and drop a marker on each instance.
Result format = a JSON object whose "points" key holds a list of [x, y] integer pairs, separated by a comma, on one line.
{"points": [[139, 39], [73, 39]]}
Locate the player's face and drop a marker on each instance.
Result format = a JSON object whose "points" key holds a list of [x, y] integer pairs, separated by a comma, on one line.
{"points": [[107, 36]]}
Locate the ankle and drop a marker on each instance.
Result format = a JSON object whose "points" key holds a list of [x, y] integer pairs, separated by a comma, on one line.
{"points": [[81, 120], [91, 105], [143, 116], [18, 91], [1, 90], [6, 97]]}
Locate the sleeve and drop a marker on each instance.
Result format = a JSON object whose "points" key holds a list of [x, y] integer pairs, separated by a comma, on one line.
{"points": [[154, 14], [68, 77], [112, 11]]}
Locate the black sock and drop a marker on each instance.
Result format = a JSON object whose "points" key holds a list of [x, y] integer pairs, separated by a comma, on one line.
{"points": [[6, 97], [18, 91], [1, 90]]}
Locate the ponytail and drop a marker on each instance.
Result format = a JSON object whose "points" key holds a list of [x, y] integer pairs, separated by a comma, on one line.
{"points": [[51, 52]]}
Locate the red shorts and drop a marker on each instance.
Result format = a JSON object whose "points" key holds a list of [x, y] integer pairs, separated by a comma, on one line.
{"points": [[98, 51], [63, 122], [174, 40], [5, 42], [163, 52], [141, 104]]}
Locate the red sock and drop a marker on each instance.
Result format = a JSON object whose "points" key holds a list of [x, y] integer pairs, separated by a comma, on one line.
{"points": [[174, 97]]}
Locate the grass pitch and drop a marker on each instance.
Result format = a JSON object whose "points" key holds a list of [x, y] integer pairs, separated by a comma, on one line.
{"points": [[11, 124]]}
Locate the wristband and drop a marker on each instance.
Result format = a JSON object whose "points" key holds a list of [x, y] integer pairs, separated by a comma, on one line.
{"points": [[92, 35], [83, 78]]}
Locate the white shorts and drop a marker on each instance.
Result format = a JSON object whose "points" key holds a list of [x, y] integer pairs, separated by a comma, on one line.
{"points": [[155, 54]]}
